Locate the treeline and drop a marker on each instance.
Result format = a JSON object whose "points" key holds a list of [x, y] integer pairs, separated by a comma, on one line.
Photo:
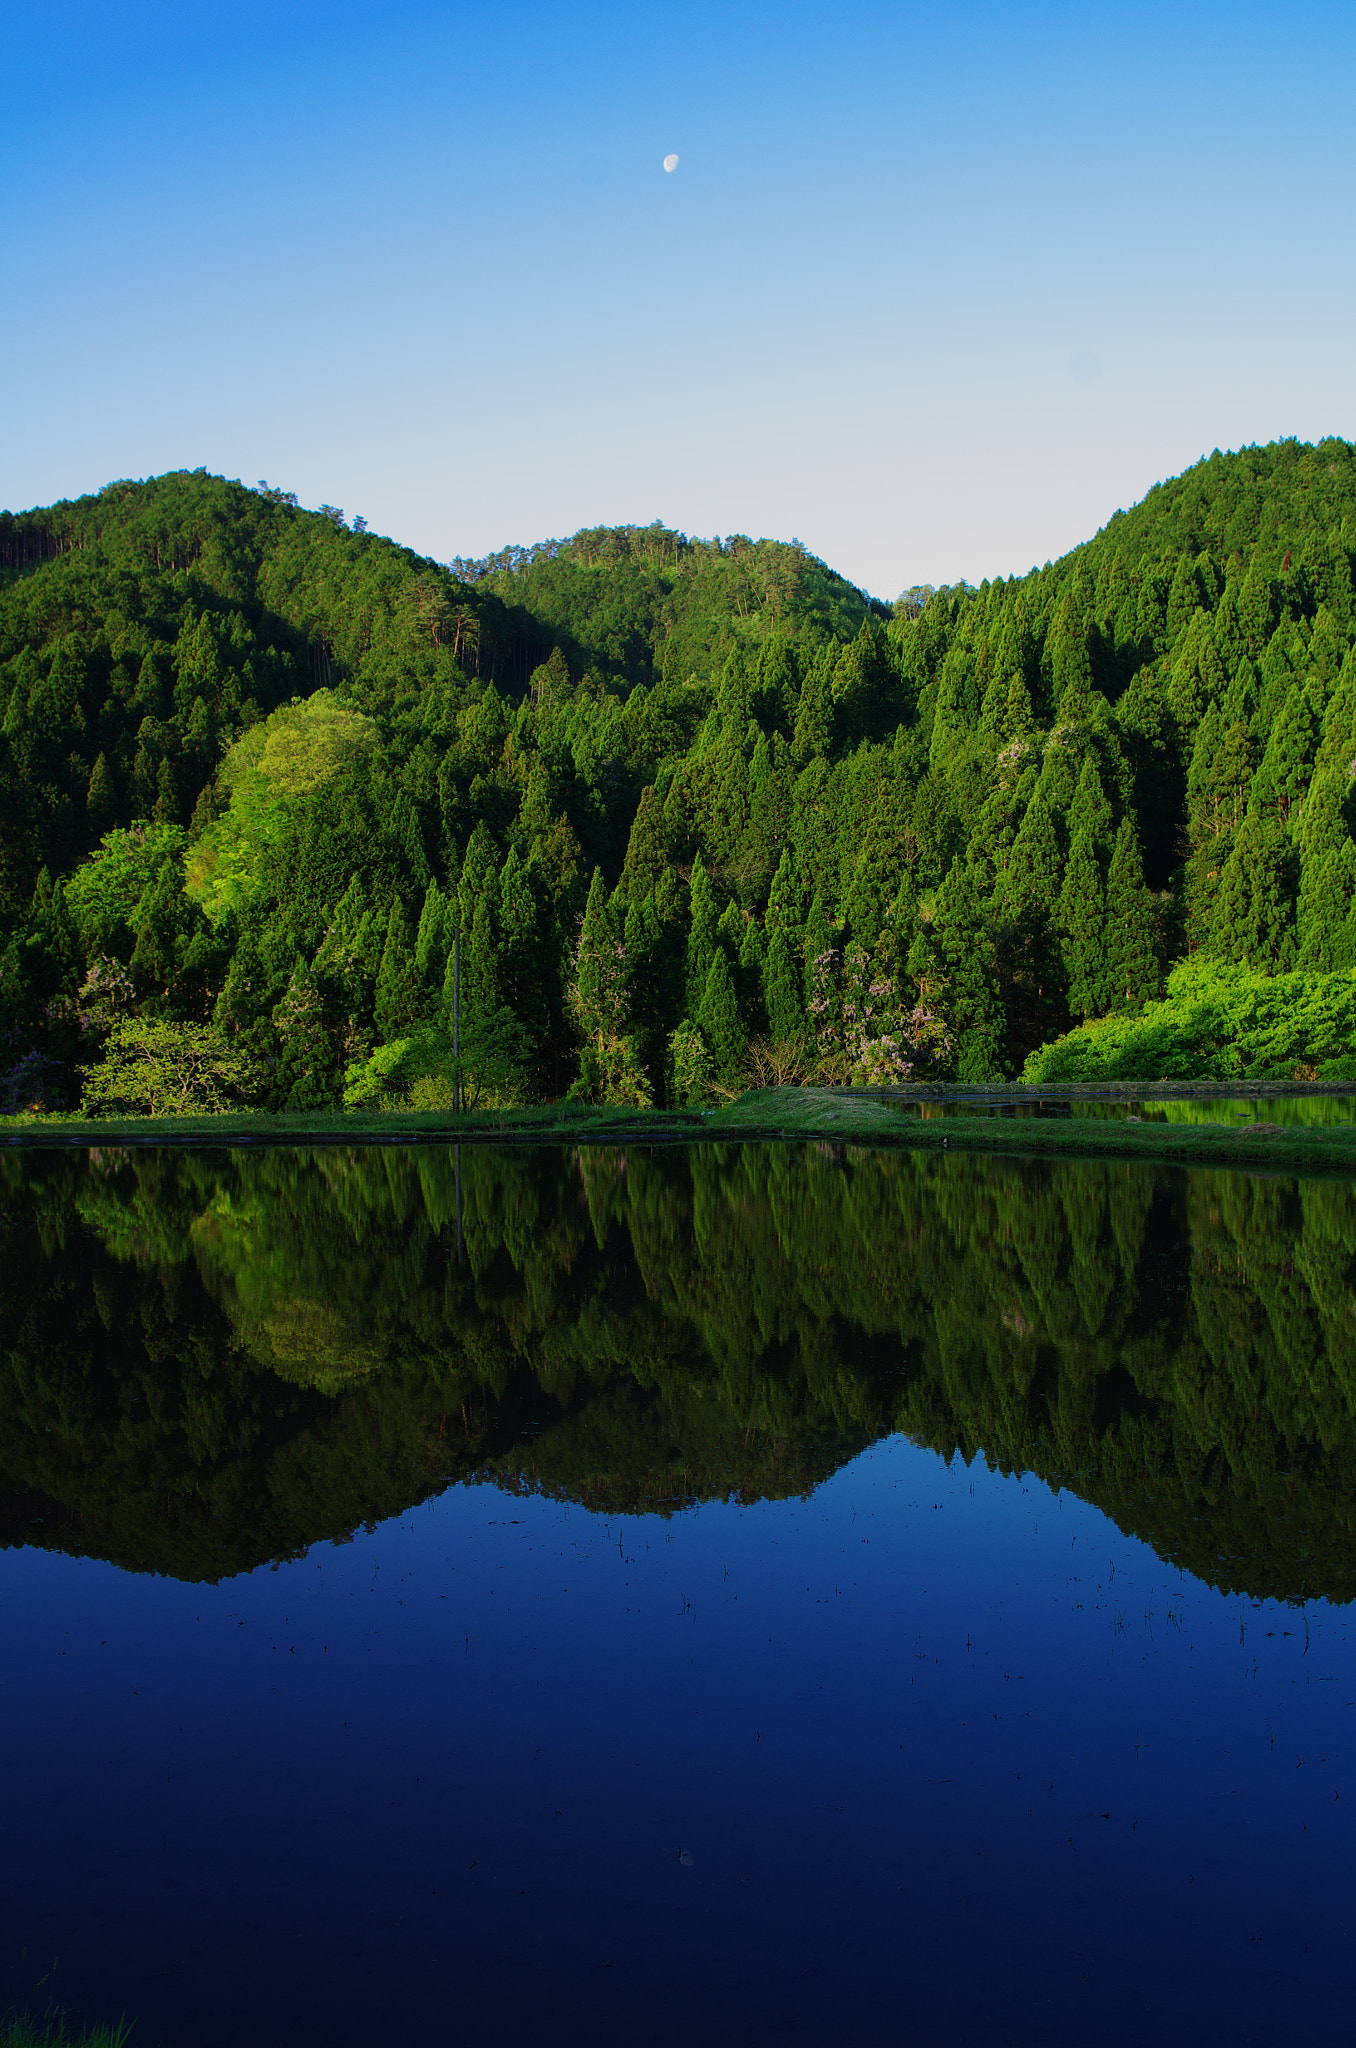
{"points": [[206, 1361], [693, 813]]}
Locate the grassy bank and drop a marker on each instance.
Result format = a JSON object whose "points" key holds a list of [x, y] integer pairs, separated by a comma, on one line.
{"points": [[53, 2032], [832, 1115]]}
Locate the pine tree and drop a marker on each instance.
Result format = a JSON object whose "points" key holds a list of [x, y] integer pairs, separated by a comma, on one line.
{"points": [[1090, 813], [970, 1001], [1032, 883], [786, 899], [1283, 778], [611, 1068], [101, 802], [1130, 967], [399, 1001], [522, 965], [1082, 916], [1253, 921], [719, 1022], [701, 942], [647, 851], [752, 962], [307, 1073], [1070, 660], [430, 946], [1184, 598], [782, 997], [814, 713]]}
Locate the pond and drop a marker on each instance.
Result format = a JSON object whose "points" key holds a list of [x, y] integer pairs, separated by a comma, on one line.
{"points": [[771, 1595]]}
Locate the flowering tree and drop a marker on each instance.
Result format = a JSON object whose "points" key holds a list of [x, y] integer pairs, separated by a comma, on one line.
{"points": [[864, 1034]]}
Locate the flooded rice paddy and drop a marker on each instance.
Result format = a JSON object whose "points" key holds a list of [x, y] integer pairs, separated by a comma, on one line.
{"points": [[788, 1594]]}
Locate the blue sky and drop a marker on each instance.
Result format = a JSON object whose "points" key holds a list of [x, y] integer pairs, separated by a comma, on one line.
{"points": [[934, 290]]}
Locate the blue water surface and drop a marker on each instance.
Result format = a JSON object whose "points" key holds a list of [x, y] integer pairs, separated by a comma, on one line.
{"points": [[935, 1754]]}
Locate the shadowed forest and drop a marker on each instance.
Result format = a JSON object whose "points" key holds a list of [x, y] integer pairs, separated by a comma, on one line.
{"points": [[212, 1360]]}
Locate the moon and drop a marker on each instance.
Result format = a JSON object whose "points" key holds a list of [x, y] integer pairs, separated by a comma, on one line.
{"points": [[670, 163]]}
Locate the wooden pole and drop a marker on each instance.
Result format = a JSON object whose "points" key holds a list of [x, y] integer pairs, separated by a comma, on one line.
{"points": [[456, 1022]]}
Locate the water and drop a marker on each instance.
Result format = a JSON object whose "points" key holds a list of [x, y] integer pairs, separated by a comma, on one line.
{"points": [[778, 1595], [1208, 1109]]}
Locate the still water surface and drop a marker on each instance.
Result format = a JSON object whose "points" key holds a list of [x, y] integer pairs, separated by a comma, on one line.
{"points": [[751, 1596]]}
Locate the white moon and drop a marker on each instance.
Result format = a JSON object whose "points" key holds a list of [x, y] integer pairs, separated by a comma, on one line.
{"points": [[670, 163]]}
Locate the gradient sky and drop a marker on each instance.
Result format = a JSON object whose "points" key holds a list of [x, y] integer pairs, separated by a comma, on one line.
{"points": [[933, 289]]}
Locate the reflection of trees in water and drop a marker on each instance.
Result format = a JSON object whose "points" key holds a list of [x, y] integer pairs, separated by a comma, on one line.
{"points": [[212, 1359]]}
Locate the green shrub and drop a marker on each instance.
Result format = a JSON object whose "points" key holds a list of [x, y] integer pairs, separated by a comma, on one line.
{"points": [[1217, 1023]]}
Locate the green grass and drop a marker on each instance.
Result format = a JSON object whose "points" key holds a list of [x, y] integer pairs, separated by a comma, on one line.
{"points": [[53, 2032], [834, 1115]]}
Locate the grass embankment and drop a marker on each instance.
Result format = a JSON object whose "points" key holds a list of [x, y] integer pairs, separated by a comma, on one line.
{"points": [[831, 1115], [54, 2033]]}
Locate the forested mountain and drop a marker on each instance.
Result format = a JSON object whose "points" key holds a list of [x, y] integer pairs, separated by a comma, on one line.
{"points": [[699, 811]]}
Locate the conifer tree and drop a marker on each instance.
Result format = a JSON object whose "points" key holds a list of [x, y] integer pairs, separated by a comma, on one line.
{"points": [[101, 802], [1130, 966], [782, 996], [1090, 813], [752, 962], [970, 1001], [430, 946], [1184, 598], [786, 899], [1034, 874], [814, 713], [1082, 916], [399, 1000], [1287, 765], [307, 1075], [523, 971], [611, 1068], [701, 941], [482, 992], [1070, 661], [647, 851], [1253, 921], [719, 1022]]}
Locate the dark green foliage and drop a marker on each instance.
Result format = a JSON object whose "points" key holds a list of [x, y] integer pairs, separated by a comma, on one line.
{"points": [[1130, 962], [399, 999], [1177, 1348], [238, 738], [720, 1023]]}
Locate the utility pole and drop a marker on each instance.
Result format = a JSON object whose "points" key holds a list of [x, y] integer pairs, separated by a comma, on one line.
{"points": [[456, 1023]]}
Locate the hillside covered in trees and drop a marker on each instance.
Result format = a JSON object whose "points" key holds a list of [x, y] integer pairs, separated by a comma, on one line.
{"points": [[699, 812]]}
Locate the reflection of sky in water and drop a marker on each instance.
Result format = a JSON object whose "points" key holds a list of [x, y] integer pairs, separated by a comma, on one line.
{"points": [[932, 1753], [933, 1740]]}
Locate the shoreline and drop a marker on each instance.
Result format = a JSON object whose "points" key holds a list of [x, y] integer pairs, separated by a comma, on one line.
{"points": [[839, 1116]]}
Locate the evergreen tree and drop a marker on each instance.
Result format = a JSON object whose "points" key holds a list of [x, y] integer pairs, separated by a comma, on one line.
{"points": [[702, 941], [1090, 813], [970, 999], [647, 851], [101, 802], [1130, 965], [1253, 920], [430, 946], [786, 899], [752, 964], [399, 1000], [719, 1022], [1082, 917], [782, 996]]}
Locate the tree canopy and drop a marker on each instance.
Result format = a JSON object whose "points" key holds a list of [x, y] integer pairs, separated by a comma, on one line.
{"points": [[686, 809]]}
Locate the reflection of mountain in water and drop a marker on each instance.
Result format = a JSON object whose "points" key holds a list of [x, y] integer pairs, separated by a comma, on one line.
{"points": [[211, 1360]]}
